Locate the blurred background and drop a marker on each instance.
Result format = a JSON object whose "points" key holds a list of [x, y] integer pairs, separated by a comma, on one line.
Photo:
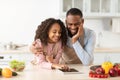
{"points": [[20, 18]]}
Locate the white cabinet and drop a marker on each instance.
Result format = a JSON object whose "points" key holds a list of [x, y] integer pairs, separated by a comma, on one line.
{"points": [[100, 6], [118, 10], [92, 8], [99, 58], [116, 7], [116, 25], [26, 57], [67, 4], [6, 57]]}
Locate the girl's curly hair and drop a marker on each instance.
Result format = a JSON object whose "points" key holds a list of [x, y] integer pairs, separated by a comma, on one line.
{"points": [[43, 28]]}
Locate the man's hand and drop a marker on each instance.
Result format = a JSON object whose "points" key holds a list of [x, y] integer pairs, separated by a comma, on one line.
{"points": [[34, 48], [79, 33]]}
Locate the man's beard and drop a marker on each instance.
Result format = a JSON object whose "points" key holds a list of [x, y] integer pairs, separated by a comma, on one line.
{"points": [[70, 34]]}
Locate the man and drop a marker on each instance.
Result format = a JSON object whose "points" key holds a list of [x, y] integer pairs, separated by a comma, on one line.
{"points": [[81, 41]]}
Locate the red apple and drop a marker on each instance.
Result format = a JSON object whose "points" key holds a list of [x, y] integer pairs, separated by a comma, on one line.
{"points": [[112, 72], [116, 65], [100, 70], [118, 72]]}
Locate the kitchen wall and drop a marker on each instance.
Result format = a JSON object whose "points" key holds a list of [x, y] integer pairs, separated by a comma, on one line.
{"points": [[103, 28], [19, 20]]}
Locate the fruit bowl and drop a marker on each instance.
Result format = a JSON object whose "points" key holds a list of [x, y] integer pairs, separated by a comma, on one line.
{"points": [[94, 67], [16, 65], [105, 70]]}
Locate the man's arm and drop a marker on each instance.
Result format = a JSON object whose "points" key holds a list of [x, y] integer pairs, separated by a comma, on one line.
{"points": [[35, 48], [86, 54]]}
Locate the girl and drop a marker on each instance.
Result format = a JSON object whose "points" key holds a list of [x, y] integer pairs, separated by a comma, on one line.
{"points": [[51, 38]]}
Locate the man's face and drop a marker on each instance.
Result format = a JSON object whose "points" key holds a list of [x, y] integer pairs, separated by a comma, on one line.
{"points": [[73, 22]]}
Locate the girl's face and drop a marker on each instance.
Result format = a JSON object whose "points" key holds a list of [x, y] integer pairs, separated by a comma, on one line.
{"points": [[54, 33]]}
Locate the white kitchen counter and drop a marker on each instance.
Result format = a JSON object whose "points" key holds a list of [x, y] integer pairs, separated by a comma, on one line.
{"points": [[36, 73], [107, 50]]}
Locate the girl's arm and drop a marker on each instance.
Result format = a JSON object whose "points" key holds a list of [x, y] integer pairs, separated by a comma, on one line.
{"points": [[42, 62], [56, 59], [59, 52], [58, 56], [58, 48]]}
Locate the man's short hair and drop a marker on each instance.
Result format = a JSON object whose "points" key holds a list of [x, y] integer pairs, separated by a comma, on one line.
{"points": [[74, 11]]}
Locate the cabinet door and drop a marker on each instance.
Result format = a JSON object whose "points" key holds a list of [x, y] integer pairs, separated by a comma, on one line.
{"points": [[93, 8], [27, 57], [8, 57], [119, 6], [116, 25], [78, 4], [5, 58], [105, 6], [99, 58], [99, 6], [67, 4]]}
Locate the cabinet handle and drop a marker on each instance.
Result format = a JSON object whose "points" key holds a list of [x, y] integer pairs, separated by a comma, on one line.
{"points": [[10, 57], [1, 57]]}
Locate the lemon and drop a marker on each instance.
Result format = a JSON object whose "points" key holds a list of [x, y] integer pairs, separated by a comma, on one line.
{"points": [[6, 72]]}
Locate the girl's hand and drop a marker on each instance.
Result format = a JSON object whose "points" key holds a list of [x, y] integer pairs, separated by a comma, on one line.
{"points": [[60, 66], [64, 67], [49, 58]]}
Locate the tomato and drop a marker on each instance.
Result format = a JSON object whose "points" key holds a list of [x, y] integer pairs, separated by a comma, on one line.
{"points": [[98, 76], [92, 74], [106, 76]]}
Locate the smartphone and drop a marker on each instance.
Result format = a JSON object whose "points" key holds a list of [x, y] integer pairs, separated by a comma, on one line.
{"points": [[71, 71]]}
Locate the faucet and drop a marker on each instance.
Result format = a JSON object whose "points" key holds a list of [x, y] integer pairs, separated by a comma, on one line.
{"points": [[9, 45], [13, 46]]}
